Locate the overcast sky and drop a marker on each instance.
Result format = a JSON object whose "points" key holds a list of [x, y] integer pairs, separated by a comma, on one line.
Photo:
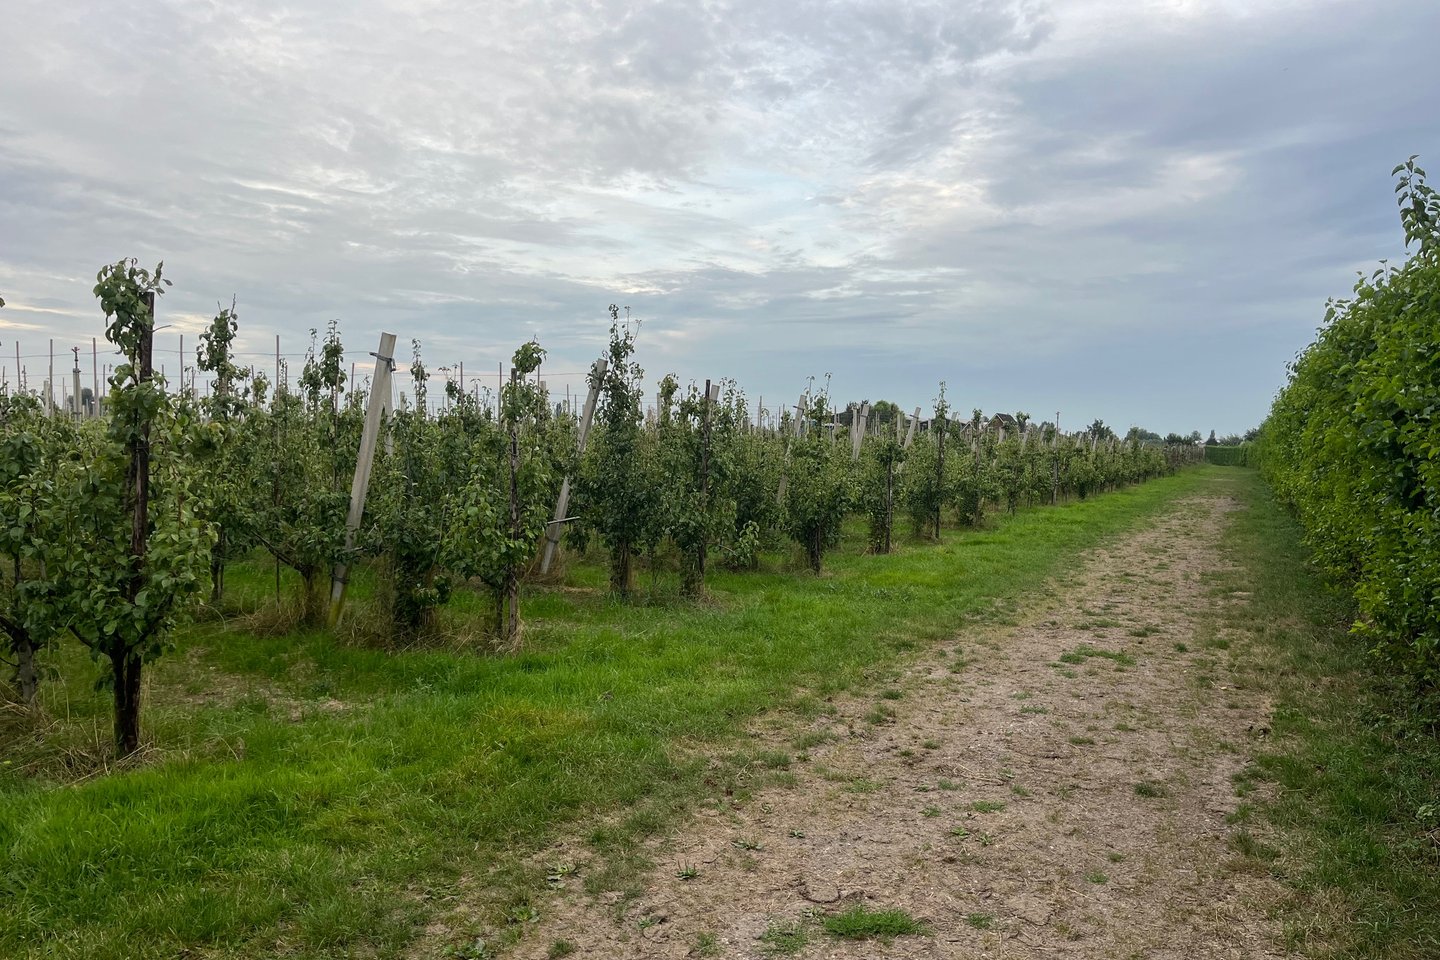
{"points": [[1123, 209]]}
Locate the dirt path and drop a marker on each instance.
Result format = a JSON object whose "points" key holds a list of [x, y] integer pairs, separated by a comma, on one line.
{"points": [[1056, 789]]}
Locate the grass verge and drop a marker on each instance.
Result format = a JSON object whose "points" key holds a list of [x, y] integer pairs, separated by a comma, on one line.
{"points": [[1354, 761]]}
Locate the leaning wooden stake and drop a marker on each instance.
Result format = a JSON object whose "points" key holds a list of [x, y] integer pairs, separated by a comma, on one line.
{"points": [[910, 433], [556, 528], [378, 400], [857, 430], [796, 427]]}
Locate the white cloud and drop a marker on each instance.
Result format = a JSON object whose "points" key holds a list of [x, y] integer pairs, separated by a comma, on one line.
{"points": [[839, 186]]}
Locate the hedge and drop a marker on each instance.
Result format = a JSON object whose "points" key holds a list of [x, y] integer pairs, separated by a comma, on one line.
{"points": [[1352, 444]]}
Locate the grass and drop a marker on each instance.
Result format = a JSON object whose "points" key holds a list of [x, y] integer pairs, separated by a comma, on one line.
{"points": [[1084, 652], [307, 794], [1353, 756], [858, 923], [784, 939]]}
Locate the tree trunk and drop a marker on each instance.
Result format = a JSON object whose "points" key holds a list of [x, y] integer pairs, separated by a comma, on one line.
{"points": [[126, 665], [620, 569], [124, 658], [814, 550], [27, 677], [217, 569], [512, 609], [889, 505], [315, 601], [692, 572], [512, 575]]}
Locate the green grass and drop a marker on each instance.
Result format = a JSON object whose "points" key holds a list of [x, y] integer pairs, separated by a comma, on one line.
{"points": [[328, 796], [1084, 652], [1353, 755], [784, 939], [858, 923]]}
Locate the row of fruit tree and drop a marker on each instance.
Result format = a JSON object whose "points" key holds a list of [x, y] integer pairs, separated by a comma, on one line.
{"points": [[115, 529]]}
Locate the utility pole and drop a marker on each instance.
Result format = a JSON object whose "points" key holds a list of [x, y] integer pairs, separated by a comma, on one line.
{"points": [[75, 391]]}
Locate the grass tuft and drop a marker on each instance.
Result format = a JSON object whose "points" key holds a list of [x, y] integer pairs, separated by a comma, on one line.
{"points": [[858, 923]]}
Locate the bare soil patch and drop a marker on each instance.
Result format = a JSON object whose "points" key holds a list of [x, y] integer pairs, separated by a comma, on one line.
{"points": [[1061, 788]]}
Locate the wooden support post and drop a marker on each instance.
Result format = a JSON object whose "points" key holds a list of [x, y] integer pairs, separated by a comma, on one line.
{"points": [[910, 434], [857, 430], [796, 426], [380, 388], [556, 528], [94, 379]]}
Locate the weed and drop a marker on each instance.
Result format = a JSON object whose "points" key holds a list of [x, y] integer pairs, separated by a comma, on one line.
{"points": [[1085, 652], [814, 738], [784, 939], [858, 923], [881, 714], [1245, 843]]}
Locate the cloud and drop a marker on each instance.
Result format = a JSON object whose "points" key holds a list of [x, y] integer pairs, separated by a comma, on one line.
{"points": [[1132, 210]]}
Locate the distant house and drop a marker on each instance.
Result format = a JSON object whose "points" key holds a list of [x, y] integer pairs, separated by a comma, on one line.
{"points": [[1005, 422]]}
